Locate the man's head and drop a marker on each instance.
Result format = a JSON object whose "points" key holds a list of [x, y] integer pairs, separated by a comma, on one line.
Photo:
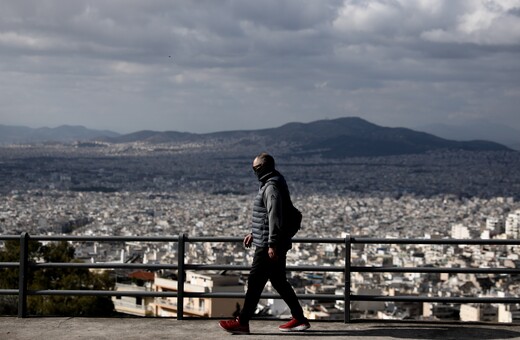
{"points": [[263, 164]]}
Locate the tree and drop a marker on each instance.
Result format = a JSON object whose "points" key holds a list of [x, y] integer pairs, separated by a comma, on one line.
{"points": [[55, 279], [9, 276]]}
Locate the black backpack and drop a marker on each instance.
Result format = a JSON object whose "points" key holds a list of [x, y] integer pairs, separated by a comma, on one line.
{"points": [[294, 222]]}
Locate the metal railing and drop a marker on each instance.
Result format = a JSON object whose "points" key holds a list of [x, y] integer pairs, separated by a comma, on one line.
{"points": [[24, 265]]}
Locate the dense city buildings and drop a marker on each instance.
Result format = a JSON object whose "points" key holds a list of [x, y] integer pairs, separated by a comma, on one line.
{"points": [[164, 191]]}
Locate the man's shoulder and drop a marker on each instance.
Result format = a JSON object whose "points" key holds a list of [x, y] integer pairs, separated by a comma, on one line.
{"points": [[271, 187], [275, 184], [276, 179]]}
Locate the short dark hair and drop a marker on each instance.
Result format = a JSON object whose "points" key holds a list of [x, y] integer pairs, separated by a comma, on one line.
{"points": [[266, 160]]}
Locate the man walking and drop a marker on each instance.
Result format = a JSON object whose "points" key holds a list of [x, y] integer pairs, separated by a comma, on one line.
{"points": [[272, 243]]}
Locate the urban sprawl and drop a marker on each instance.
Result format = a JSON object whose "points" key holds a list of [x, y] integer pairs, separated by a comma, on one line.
{"points": [[164, 191]]}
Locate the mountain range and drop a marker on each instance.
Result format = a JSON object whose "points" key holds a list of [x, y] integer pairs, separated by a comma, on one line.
{"points": [[334, 138], [65, 133]]}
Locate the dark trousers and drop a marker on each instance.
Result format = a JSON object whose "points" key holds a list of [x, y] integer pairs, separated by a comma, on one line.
{"points": [[264, 269]]}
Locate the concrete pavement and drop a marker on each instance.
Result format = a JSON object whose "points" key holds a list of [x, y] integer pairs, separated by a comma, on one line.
{"points": [[60, 328]]}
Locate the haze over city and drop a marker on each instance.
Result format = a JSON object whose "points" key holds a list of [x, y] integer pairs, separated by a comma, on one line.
{"points": [[214, 66]]}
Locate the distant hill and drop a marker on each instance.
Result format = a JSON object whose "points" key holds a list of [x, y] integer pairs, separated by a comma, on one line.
{"points": [[479, 129], [334, 138], [348, 137], [154, 137], [65, 133]]}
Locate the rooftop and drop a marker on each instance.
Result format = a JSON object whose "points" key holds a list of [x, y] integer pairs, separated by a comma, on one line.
{"points": [[58, 328]]}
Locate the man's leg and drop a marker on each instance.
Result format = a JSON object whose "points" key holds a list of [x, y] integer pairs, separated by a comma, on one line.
{"points": [[258, 277], [278, 277]]}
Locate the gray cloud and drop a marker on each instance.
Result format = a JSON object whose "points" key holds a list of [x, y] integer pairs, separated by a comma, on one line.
{"points": [[217, 65]]}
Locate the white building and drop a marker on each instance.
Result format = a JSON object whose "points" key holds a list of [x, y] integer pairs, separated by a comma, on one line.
{"points": [[133, 305], [513, 224], [199, 282], [458, 231], [478, 313]]}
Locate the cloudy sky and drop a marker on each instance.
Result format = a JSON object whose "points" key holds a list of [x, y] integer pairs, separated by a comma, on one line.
{"points": [[205, 66]]}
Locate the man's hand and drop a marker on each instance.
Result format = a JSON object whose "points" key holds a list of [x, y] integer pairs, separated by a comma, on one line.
{"points": [[248, 240], [273, 255]]}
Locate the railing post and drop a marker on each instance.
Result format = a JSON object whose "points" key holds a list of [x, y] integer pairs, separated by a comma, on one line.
{"points": [[180, 276], [22, 275], [348, 246]]}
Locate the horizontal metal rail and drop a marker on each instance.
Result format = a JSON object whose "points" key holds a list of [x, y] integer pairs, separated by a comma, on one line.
{"points": [[206, 239], [24, 265], [509, 271], [354, 269], [443, 241], [9, 264]]}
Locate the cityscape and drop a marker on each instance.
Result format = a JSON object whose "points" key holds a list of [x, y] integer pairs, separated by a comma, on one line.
{"points": [[128, 136], [138, 189]]}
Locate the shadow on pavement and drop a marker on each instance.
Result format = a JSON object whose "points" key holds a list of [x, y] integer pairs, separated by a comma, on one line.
{"points": [[411, 332]]}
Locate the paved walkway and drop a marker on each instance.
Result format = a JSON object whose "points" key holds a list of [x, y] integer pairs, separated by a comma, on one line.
{"points": [[161, 328]]}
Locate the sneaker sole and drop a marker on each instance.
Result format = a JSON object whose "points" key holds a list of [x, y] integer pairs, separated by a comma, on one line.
{"points": [[300, 328]]}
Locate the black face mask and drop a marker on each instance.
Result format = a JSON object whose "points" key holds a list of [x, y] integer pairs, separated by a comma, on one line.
{"points": [[260, 172]]}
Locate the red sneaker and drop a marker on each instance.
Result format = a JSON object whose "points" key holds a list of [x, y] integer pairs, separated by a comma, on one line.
{"points": [[295, 326], [234, 326]]}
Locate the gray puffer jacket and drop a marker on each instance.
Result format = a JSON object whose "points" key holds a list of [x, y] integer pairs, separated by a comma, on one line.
{"points": [[268, 208]]}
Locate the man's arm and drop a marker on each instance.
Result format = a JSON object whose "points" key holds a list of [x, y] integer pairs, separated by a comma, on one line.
{"points": [[273, 203]]}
